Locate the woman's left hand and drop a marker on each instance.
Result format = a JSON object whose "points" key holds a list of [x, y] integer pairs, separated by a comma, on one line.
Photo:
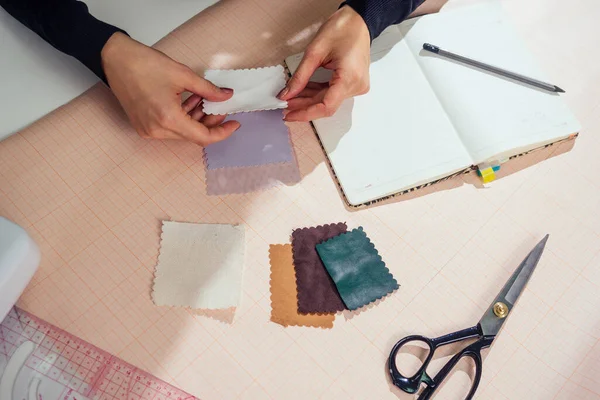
{"points": [[342, 44]]}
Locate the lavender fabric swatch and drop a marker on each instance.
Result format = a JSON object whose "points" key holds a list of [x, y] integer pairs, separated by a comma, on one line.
{"points": [[262, 139], [224, 181]]}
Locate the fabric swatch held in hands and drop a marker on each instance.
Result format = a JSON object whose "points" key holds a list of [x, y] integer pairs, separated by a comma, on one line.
{"points": [[284, 305], [258, 156], [199, 266], [253, 89], [263, 138], [357, 269], [317, 292]]}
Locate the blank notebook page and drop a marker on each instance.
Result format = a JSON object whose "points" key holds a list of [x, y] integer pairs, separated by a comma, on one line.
{"points": [[493, 115], [394, 137]]}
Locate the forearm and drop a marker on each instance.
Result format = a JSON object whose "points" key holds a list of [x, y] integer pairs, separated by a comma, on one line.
{"points": [[67, 25], [379, 14]]}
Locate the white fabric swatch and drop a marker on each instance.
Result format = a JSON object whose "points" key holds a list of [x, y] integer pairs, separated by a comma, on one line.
{"points": [[254, 89], [199, 265]]}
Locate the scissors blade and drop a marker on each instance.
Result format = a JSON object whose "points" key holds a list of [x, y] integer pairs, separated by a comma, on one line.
{"points": [[496, 314]]}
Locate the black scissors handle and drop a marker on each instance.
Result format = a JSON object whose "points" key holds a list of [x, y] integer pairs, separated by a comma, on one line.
{"points": [[413, 383]]}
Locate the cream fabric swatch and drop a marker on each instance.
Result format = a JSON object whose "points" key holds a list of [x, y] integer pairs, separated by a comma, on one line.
{"points": [[254, 89], [199, 265]]}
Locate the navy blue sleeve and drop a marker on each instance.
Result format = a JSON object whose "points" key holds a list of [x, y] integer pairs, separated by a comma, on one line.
{"points": [[379, 14], [67, 25]]}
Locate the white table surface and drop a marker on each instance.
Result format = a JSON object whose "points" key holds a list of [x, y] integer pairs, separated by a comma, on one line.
{"points": [[35, 78]]}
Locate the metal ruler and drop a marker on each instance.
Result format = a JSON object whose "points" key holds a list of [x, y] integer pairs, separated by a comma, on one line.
{"points": [[61, 366]]}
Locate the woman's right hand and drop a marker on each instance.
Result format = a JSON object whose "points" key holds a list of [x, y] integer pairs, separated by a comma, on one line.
{"points": [[149, 84]]}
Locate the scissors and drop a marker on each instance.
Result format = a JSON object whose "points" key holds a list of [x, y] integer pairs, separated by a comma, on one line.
{"points": [[485, 331]]}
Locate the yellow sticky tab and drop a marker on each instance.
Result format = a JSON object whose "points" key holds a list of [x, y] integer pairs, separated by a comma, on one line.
{"points": [[487, 174]]}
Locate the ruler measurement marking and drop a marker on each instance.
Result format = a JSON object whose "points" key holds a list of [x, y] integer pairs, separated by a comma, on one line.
{"points": [[82, 368]]}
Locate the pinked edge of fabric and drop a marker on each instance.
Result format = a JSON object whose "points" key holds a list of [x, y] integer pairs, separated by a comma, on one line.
{"points": [[303, 320], [375, 252], [300, 294], [277, 67], [225, 181], [158, 262], [246, 110]]}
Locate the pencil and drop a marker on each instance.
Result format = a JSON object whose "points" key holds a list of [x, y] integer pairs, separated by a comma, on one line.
{"points": [[490, 68]]}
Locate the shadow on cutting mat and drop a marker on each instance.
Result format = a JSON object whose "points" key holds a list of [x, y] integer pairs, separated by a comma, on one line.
{"points": [[226, 316]]}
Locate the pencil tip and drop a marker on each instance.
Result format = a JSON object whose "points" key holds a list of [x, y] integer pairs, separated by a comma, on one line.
{"points": [[558, 90]]}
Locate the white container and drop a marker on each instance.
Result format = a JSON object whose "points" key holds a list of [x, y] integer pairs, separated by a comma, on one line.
{"points": [[19, 259]]}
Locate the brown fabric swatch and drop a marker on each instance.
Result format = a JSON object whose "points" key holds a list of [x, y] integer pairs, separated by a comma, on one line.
{"points": [[316, 290], [284, 306]]}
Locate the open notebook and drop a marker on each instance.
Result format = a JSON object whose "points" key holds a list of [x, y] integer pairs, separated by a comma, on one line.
{"points": [[426, 118]]}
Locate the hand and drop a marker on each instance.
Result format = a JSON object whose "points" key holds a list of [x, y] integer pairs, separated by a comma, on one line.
{"points": [[342, 45], [148, 84]]}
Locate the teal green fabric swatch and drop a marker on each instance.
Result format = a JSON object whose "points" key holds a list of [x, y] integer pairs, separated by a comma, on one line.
{"points": [[357, 269]]}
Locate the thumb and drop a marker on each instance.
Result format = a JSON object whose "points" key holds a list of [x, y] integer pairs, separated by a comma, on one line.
{"points": [[206, 89], [198, 133], [310, 62]]}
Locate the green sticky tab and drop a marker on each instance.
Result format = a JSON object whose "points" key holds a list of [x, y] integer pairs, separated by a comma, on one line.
{"points": [[356, 268]]}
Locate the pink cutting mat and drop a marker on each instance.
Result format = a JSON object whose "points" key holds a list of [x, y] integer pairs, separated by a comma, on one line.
{"points": [[92, 194], [67, 368]]}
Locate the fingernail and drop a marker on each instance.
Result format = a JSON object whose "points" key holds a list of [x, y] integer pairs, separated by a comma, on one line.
{"points": [[226, 90], [283, 92]]}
